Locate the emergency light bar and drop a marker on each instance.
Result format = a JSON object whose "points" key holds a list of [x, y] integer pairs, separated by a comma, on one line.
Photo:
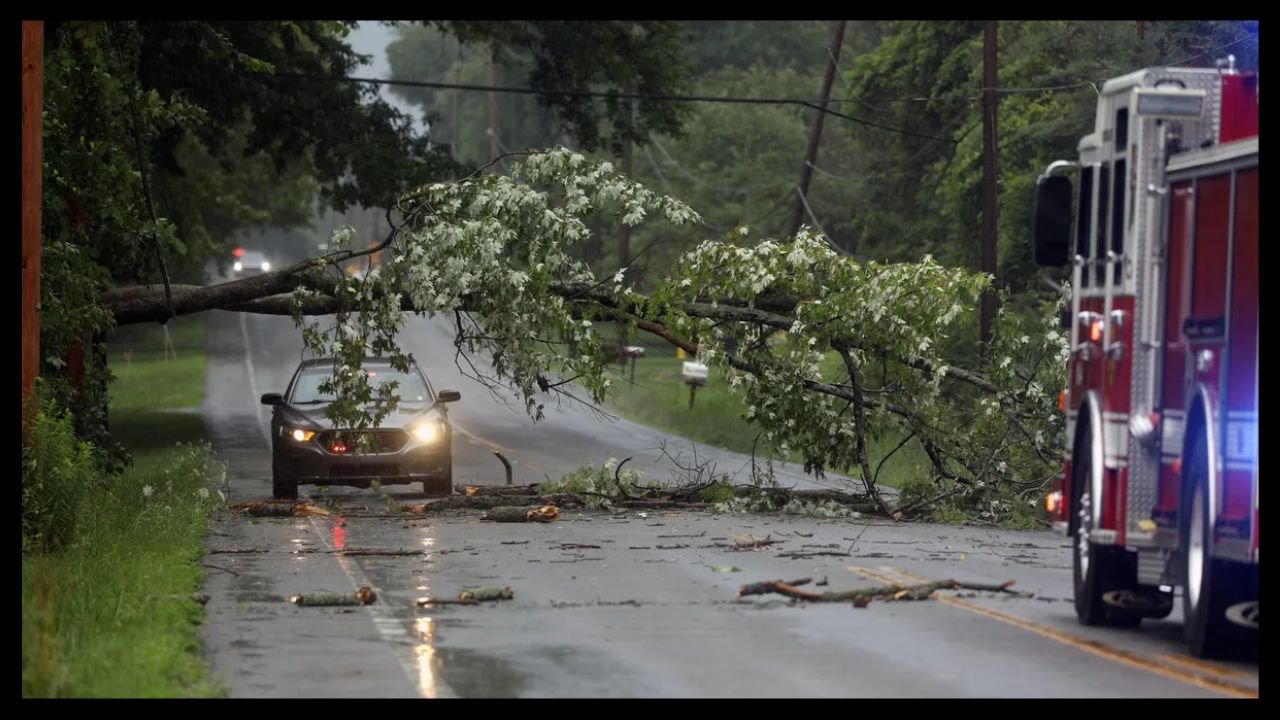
{"points": [[1170, 102]]}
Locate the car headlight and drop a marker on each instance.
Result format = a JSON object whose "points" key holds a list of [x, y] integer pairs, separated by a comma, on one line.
{"points": [[238, 266], [429, 431], [266, 266], [300, 435]]}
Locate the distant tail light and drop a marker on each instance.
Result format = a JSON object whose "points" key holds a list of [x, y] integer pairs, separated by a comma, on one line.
{"points": [[1053, 502]]}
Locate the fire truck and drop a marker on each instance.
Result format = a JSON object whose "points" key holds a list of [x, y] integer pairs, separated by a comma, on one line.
{"points": [[1159, 492]]}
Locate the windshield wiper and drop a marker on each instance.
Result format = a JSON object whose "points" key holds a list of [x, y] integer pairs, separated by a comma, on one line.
{"points": [[310, 402]]}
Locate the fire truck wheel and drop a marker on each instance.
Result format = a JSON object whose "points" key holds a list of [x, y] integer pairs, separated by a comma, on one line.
{"points": [[1212, 585], [1098, 569]]}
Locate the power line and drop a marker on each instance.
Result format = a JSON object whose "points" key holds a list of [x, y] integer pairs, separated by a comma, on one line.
{"points": [[825, 235], [944, 98], [739, 191], [667, 186], [851, 178], [619, 96], [1210, 51]]}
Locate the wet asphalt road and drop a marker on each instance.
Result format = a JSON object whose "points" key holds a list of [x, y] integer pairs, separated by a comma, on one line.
{"points": [[645, 611]]}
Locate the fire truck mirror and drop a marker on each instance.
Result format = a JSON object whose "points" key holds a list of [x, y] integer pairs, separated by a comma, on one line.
{"points": [[1052, 218]]}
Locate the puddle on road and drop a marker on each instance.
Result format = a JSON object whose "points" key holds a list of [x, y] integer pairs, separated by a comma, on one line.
{"points": [[445, 672], [473, 674]]}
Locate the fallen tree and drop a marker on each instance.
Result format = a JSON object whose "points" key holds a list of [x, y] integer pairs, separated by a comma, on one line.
{"points": [[825, 351]]}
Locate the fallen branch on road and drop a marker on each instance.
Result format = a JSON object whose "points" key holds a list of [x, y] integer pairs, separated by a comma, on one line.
{"points": [[490, 500], [763, 588], [423, 602], [363, 596], [536, 513], [661, 504], [482, 490], [862, 597], [754, 544], [795, 555], [377, 551], [486, 593], [275, 508]]}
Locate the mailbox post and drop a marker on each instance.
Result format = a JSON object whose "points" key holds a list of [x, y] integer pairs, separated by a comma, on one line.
{"points": [[632, 352], [695, 376]]}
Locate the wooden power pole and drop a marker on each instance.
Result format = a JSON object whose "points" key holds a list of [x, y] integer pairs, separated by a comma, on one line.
{"points": [[990, 103], [32, 135], [815, 133], [493, 109]]}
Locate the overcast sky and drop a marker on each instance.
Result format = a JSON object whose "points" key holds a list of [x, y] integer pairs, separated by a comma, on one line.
{"points": [[372, 38]]}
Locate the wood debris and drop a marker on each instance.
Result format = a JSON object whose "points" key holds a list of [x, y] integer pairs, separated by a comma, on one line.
{"points": [[862, 597]]}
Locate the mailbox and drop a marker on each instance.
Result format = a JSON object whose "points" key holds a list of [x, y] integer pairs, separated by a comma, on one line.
{"points": [[695, 373], [631, 352]]}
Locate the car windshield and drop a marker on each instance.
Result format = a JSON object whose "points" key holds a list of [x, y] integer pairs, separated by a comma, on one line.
{"points": [[410, 386], [252, 257]]}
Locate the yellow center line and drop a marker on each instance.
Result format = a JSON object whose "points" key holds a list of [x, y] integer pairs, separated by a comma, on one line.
{"points": [[1121, 656], [873, 575], [1201, 665], [908, 576], [1171, 671]]}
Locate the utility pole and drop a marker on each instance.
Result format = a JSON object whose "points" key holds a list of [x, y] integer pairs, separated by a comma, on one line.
{"points": [[493, 109], [624, 236], [815, 133], [32, 136], [990, 103], [457, 78]]}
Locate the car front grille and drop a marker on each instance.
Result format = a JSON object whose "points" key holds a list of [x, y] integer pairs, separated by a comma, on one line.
{"points": [[382, 441], [386, 470]]}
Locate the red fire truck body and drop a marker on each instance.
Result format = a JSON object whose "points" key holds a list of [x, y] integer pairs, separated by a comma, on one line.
{"points": [[1161, 485]]}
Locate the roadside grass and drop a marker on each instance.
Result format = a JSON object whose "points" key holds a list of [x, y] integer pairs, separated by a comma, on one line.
{"points": [[112, 613], [659, 398]]}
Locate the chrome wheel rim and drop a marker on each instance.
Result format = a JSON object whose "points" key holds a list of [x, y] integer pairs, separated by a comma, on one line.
{"points": [[1085, 514], [1195, 550]]}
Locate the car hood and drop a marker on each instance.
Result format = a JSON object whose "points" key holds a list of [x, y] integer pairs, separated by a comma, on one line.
{"points": [[312, 416]]}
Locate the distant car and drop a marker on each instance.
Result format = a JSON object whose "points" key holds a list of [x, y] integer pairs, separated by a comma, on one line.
{"points": [[251, 262], [413, 444]]}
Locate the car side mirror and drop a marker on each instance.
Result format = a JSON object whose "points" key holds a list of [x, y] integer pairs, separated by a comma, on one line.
{"points": [[272, 399], [447, 396]]}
